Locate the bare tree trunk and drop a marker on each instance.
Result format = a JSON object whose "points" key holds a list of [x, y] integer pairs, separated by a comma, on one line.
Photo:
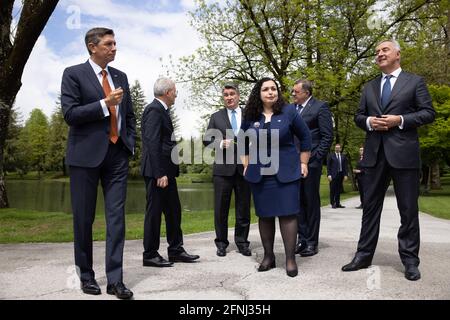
{"points": [[435, 178]]}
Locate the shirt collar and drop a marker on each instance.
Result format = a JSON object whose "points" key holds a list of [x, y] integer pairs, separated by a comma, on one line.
{"points": [[238, 110], [306, 102], [395, 74], [163, 103], [96, 67]]}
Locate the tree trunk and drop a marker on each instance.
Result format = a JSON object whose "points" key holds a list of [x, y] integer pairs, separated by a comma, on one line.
{"points": [[435, 178], [13, 57]]}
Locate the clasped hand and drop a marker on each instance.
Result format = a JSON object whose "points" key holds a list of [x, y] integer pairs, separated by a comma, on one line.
{"points": [[385, 123]]}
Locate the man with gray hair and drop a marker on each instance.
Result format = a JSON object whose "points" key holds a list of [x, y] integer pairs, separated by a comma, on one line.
{"points": [[392, 107], [160, 172]]}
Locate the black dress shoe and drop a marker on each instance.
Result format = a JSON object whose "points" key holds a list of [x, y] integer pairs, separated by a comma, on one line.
{"points": [[90, 287], [356, 264], [221, 252], [359, 207], [245, 251], [119, 290], [184, 257], [334, 207], [412, 272], [157, 261], [300, 247], [309, 251], [340, 206], [266, 267]]}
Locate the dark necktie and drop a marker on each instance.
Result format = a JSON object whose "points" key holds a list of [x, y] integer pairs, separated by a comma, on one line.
{"points": [[113, 134], [386, 93]]}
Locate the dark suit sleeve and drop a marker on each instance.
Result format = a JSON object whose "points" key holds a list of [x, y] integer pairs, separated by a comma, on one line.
{"points": [[326, 132], [152, 121], [302, 132], [345, 166], [329, 164], [361, 114], [130, 117], [71, 101], [425, 112]]}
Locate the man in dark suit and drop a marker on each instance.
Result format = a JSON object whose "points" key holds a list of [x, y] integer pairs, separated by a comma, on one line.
{"points": [[96, 104], [159, 167], [221, 135], [391, 109], [337, 173], [317, 116]]}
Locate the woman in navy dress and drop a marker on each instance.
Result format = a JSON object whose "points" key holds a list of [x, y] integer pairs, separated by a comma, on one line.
{"points": [[269, 127]]}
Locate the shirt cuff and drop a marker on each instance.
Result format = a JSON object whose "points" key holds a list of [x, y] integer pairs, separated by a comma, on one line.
{"points": [[369, 127], [105, 108], [401, 125]]}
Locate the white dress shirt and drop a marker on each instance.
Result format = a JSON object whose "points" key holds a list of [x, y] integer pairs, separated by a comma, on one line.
{"points": [[393, 80]]}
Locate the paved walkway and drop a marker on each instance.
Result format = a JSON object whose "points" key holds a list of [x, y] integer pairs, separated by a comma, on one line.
{"points": [[45, 271]]}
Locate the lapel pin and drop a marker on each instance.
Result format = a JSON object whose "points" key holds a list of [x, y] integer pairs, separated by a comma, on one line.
{"points": [[256, 124]]}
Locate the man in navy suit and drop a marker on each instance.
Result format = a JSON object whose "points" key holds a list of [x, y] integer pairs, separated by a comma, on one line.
{"points": [[96, 104], [392, 107], [317, 117], [337, 173], [159, 166], [228, 173]]}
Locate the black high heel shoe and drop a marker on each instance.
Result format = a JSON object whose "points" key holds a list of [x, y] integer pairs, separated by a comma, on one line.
{"points": [[292, 273], [263, 268]]}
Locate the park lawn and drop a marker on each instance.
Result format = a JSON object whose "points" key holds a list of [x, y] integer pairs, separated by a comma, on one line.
{"points": [[437, 202], [20, 226]]}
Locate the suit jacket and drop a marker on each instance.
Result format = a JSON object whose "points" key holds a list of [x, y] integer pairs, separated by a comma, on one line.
{"points": [[226, 162], [409, 98], [289, 123], [317, 117], [333, 165], [157, 144], [88, 138]]}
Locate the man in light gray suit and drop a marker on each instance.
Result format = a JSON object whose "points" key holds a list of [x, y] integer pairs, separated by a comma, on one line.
{"points": [[392, 107]]}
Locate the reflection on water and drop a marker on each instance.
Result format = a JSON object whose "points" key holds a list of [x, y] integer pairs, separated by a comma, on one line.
{"points": [[54, 196]]}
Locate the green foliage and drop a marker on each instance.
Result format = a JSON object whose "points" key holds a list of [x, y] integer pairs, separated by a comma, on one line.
{"points": [[435, 138], [138, 100], [57, 139]]}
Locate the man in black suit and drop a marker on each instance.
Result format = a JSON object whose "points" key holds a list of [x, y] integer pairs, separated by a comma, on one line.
{"points": [[221, 134], [317, 116], [96, 104], [337, 173], [391, 109], [159, 167]]}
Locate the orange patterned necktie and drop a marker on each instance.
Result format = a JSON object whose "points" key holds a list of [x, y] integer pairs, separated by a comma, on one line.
{"points": [[113, 135]]}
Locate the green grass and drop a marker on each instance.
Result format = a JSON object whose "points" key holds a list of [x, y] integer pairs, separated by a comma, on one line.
{"points": [[19, 226], [437, 202]]}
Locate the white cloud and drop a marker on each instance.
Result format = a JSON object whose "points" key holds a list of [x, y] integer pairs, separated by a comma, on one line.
{"points": [[145, 41]]}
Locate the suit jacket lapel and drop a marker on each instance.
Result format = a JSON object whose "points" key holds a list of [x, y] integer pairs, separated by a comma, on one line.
{"points": [[225, 118], [308, 108], [90, 74], [399, 84], [376, 86]]}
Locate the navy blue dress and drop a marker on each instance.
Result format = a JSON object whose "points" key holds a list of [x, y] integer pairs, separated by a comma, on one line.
{"points": [[276, 193]]}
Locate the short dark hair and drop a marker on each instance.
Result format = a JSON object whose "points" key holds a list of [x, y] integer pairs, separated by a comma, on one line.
{"points": [[306, 85], [231, 86], [95, 35]]}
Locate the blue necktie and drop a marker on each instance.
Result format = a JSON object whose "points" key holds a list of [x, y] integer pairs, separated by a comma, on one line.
{"points": [[234, 122], [386, 93]]}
